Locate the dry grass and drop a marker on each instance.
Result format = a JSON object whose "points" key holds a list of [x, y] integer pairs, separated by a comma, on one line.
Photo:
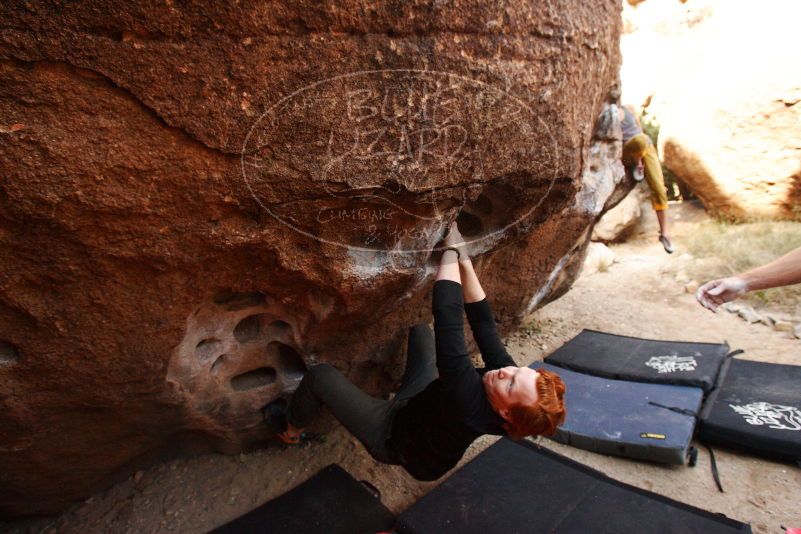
{"points": [[722, 249]]}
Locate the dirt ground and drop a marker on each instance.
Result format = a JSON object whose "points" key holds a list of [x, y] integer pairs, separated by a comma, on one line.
{"points": [[638, 295]]}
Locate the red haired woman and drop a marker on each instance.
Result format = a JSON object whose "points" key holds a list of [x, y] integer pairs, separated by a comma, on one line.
{"points": [[444, 403]]}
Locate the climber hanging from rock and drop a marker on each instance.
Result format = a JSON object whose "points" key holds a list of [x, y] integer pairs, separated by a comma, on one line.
{"points": [[444, 403], [640, 158]]}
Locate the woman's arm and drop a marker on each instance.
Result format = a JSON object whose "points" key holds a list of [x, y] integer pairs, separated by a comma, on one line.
{"points": [[485, 332], [471, 287], [448, 266], [447, 306], [479, 315], [780, 272]]}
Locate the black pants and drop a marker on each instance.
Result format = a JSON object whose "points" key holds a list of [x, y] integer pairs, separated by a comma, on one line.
{"points": [[367, 418]]}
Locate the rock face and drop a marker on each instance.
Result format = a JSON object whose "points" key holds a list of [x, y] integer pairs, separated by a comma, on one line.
{"points": [[617, 223], [197, 204], [730, 117], [599, 259]]}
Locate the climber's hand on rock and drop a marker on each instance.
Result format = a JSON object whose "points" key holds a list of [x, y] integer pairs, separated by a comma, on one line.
{"points": [[455, 240], [716, 292], [454, 237]]}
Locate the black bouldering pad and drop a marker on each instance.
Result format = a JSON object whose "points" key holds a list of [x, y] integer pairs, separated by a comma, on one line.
{"points": [[755, 408], [330, 502], [653, 422], [518, 487], [642, 360]]}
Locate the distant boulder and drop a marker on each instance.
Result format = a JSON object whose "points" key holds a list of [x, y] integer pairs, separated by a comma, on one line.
{"points": [[724, 81]]}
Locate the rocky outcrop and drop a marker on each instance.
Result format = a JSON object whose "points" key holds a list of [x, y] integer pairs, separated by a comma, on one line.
{"points": [[618, 223], [599, 259], [199, 202], [730, 118]]}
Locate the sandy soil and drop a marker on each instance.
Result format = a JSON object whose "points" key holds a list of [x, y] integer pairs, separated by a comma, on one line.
{"points": [[638, 295]]}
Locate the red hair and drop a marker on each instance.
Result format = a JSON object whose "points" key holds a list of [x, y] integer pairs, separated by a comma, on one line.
{"points": [[545, 415]]}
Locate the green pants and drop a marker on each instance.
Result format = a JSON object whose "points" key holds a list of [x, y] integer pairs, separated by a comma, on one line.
{"points": [[369, 419]]}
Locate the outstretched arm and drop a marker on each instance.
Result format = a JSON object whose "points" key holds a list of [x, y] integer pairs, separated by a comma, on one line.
{"points": [[471, 287], [447, 306], [478, 311], [457, 376], [482, 323], [448, 266], [780, 272]]}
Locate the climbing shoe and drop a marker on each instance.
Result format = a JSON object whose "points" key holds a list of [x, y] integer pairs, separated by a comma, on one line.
{"points": [[668, 246]]}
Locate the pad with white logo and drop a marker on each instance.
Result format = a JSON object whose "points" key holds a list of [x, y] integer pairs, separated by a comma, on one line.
{"points": [[672, 363], [775, 416]]}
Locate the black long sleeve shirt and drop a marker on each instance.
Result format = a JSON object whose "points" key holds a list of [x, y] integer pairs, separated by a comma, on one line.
{"points": [[433, 430]]}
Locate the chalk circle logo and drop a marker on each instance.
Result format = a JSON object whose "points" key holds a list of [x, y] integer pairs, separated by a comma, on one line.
{"points": [[372, 160]]}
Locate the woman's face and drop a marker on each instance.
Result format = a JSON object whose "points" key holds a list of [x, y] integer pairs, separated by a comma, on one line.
{"points": [[510, 386]]}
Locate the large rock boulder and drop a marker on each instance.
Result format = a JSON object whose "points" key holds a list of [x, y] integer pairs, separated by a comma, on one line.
{"points": [[730, 118], [199, 203], [619, 222]]}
